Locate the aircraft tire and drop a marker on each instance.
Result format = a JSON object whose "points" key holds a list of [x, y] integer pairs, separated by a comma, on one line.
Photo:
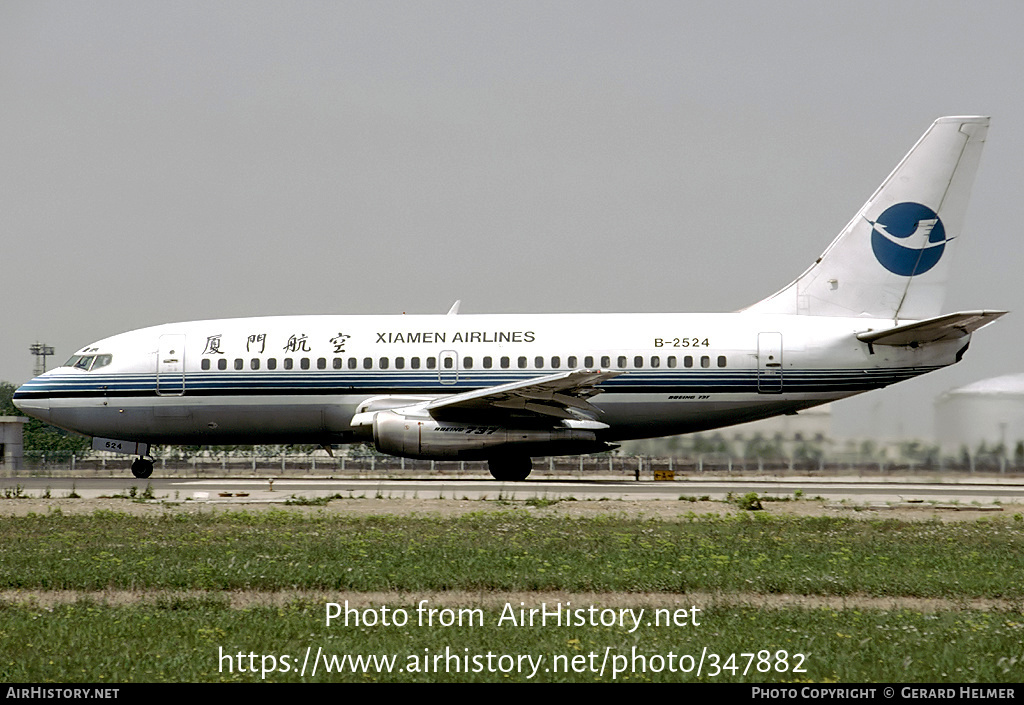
{"points": [[142, 468], [514, 469]]}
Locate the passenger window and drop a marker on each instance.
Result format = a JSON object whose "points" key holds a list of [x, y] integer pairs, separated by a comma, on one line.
{"points": [[655, 361], [571, 362], [254, 363], [505, 363], [206, 363], [321, 363], [384, 363], [415, 363], [721, 360], [222, 364], [272, 363], [622, 361], [522, 363], [304, 363], [467, 363], [688, 361], [239, 363], [488, 363], [353, 363], [671, 360], [588, 361], [337, 363], [431, 363], [367, 363], [399, 363], [449, 363], [289, 363], [638, 361], [538, 362], [705, 361], [606, 361], [556, 362]]}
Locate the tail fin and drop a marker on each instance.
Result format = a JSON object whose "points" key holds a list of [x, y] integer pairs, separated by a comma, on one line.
{"points": [[892, 260]]}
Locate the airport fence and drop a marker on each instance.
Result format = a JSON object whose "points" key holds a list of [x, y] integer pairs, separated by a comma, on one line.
{"points": [[260, 463]]}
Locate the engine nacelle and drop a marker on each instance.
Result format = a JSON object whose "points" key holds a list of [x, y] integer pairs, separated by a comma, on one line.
{"points": [[427, 439]]}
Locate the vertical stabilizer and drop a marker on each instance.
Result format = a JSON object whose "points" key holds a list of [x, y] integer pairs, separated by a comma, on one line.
{"points": [[892, 260]]}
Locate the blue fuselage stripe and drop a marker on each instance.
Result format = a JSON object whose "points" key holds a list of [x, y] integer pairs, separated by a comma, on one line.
{"points": [[305, 383]]}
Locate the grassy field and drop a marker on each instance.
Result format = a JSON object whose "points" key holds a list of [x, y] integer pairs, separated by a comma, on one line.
{"points": [[188, 573]]}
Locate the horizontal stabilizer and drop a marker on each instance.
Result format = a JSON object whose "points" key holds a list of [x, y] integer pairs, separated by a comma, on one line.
{"points": [[932, 330]]}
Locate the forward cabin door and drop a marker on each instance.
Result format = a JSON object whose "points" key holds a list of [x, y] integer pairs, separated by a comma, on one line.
{"points": [[769, 363], [170, 365]]}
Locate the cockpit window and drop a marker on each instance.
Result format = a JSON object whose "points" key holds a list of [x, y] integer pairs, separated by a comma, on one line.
{"points": [[85, 362], [88, 362]]}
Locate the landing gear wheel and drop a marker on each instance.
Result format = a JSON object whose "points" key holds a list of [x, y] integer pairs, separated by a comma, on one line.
{"points": [[142, 468], [514, 469]]}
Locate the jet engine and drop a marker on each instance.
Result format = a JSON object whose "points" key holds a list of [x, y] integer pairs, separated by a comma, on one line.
{"points": [[426, 438]]}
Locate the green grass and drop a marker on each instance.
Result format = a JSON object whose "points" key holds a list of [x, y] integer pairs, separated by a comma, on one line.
{"points": [[200, 642], [171, 636], [513, 551]]}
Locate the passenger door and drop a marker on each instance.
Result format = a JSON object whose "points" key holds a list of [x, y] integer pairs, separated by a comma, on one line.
{"points": [[170, 365]]}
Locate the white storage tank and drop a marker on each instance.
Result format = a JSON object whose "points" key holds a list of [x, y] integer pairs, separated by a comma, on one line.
{"points": [[989, 412]]}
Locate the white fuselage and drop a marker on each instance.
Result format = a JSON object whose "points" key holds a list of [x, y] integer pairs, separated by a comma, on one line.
{"points": [[300, 379]]}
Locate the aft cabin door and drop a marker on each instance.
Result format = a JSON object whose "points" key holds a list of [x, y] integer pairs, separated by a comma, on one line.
{"points": [[170, 365], [769, 363]]}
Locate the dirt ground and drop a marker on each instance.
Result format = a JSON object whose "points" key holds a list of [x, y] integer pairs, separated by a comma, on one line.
{"points": [[646, 509]]}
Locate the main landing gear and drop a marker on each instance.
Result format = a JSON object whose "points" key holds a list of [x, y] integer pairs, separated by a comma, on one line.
{"points": [[142, 468], [510, 469]]}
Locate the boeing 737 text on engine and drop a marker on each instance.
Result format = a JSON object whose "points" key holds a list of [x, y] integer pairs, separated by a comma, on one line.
{"points": [[506, 388]]}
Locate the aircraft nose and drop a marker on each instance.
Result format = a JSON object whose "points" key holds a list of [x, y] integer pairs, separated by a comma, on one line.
{"points": [[38, 407]]}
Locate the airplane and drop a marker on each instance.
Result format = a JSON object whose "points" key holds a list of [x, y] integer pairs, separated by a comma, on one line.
{"points": [[506, 388]]}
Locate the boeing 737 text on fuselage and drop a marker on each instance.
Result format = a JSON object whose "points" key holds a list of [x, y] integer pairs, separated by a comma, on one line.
{"points": [[506, 388]]}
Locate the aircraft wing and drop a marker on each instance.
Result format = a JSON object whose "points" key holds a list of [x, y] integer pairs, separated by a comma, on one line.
{"points": [[556, 396], [931, 330]]}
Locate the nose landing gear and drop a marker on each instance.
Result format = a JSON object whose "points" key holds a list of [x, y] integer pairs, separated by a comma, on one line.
{"points": [[142, 468]]}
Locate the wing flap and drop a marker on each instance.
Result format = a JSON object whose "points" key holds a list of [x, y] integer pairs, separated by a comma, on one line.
{"points": [[931, 330], [554, 395]]}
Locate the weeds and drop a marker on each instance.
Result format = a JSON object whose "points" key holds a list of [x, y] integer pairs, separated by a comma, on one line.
{"points": [[750, 502], [16, 492], [295, 501], [541, 502]]}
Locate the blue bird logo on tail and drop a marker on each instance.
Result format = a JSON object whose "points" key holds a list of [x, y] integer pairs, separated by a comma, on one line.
{"points": [[908, 238]]}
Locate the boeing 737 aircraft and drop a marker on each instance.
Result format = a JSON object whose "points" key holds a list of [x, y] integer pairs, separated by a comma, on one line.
{"points": [[505, 388]]}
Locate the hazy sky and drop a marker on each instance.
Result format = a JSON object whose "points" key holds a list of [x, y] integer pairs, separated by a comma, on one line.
{"points": [[172, 161]]}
